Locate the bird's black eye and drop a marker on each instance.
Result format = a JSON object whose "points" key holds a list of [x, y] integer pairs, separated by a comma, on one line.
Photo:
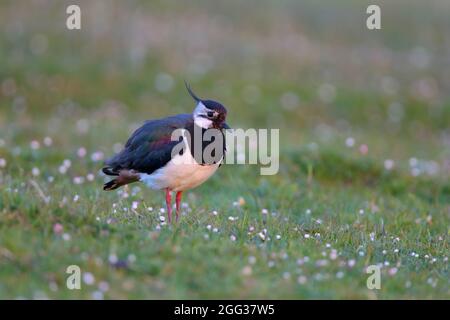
{"points": [[210, 114]]}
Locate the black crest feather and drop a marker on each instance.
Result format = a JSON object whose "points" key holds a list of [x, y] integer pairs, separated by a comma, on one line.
{"points": [[191, 93]]}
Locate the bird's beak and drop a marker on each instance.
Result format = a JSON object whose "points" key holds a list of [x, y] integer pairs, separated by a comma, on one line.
{"points": [[225, 126]]}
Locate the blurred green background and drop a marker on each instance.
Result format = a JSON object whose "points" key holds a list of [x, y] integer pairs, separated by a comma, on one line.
{"points": [[364, 118]]}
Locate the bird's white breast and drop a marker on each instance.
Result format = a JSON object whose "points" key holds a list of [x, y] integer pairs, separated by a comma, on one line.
{"points": [[181, 173]]}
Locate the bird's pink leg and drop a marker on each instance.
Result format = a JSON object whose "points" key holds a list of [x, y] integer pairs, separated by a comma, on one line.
{"points": [[169, 204], [178, 200]]}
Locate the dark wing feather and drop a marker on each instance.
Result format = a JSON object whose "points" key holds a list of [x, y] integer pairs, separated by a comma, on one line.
{"points": [[149, 147]]}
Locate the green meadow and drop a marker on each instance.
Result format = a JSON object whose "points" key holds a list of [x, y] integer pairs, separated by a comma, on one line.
{"points": [[364, 164]]}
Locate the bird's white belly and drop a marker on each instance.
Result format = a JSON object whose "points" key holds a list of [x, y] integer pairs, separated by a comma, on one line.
{"points": [[179, 174]]}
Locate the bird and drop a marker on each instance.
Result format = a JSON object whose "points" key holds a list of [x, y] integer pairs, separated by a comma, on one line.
{"points": [[148, 155]]}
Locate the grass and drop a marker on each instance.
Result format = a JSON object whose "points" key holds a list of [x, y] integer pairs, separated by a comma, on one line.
{"points": [[308, 232]]}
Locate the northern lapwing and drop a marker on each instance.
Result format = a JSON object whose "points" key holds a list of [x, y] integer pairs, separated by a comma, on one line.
{"points": [[148, 154]]}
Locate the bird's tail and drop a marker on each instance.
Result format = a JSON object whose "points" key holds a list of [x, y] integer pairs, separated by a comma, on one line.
{"points": [[123, 177], [111, 185]]}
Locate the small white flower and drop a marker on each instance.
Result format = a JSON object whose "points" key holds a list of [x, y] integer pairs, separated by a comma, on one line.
{"points": [[78, 180], [48, 141], [389, 164], [246, 271], [97, 156], [81, 152], [2, 163], [302, 280], [35, 172], [307, 236], [35, 145], [67, 163], [103, 286], [278, 237], [113, 258], [66, 237], [162, 218], [349, 142], [233, 237], [333, 254], [88, 278], [392, 271], [413, 162]]}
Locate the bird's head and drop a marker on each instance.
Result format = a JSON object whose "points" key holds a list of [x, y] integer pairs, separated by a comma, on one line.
{"points": [[208, 113]]}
